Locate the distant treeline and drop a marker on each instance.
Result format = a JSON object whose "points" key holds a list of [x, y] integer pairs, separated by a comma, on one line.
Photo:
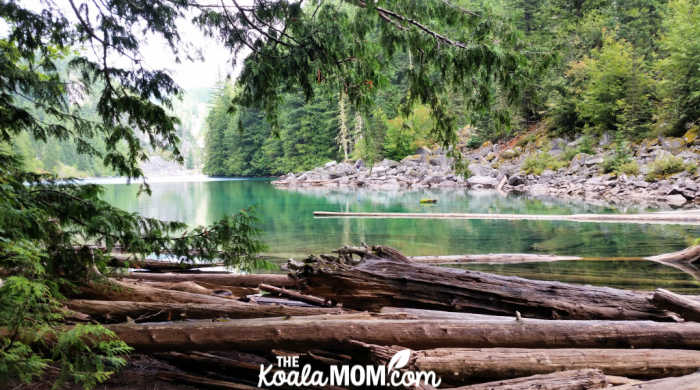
{"points": [[628, 68]]}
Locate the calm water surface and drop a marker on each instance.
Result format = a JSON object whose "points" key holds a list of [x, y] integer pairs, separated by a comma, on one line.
{"points": [[290, 230]]}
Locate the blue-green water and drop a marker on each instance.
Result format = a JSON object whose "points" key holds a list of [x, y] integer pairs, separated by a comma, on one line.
{"points": [[290, 230]]}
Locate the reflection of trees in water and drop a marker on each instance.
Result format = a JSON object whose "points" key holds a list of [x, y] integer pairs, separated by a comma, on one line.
{"points": [[291, 231]]}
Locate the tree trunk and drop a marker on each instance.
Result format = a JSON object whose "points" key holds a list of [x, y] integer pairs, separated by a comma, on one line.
{"points": [[685, 260], [201, 381], [384, 277], [293, 295], [563, 380], [688, 382], [116, 290], [126, 260], [204, 288], [688, 309], [335, 333], [219, 279], [120, 311], [500, 258], [473, 365]]}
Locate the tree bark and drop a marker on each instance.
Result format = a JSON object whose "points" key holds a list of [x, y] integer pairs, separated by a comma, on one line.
{"points": [[382, 278], [335, 333], [563, 380], [688, 382], [201, 381], [219, 279], [117, 290], [293, 295], [472, 365], [688, 309], [120, 311], [129, 261]]}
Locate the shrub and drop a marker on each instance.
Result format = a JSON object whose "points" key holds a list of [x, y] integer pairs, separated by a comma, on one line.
{"points": [[618, 90], [538, 163], [664, 166], [621, 161]]}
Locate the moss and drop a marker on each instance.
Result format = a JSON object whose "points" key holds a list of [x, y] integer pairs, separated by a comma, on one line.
{"points": [[691, 135]]}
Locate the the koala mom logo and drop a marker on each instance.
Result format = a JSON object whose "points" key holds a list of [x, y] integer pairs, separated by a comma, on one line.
{"points": [[288, 373]]}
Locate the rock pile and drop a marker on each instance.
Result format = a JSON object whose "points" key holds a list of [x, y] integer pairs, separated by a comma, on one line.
{"points": [[500, 167]]}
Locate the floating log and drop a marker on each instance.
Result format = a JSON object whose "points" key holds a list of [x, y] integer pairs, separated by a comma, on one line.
{"points": [[687, 382], [383, 278], [473, 365], [688, 309], [335, 333], [119, 311], [293, 295], [687, 217], [498, 258], [562, 380], [219, 279], [686, 260]]}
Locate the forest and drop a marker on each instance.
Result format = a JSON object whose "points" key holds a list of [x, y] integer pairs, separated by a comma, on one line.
{"points": [[626, 68]]}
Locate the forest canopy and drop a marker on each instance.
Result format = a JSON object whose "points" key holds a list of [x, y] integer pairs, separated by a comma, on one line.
{"points": [[626, 68]]}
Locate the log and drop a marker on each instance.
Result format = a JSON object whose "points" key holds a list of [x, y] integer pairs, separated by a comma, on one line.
{"points": [[201, 381], [293, 295], [181, 286], [562, 380], [473, 365], [126, 260], [120, 311], [500, 258], [219, 279], [685, 260], [118, 290], [687, 217], [335, 334], [687, 382], [380, 278], [687, 308]]}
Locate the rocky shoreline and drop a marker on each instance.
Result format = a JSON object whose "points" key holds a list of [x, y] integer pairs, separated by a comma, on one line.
{"points": [[502, 167]]}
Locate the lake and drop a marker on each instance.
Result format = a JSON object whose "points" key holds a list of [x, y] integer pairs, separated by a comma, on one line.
{"points": [[290, 230]]}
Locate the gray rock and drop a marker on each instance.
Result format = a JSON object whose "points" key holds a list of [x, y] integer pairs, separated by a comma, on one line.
{"points": [[482, 170], [485, 181], [594, 161], [516, 180], [359, 164], [423, 151], [605, 139], [329, 164], [676, 200]]}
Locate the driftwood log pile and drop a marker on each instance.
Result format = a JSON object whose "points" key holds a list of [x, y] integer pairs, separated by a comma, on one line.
{"points": [[363, 305]]}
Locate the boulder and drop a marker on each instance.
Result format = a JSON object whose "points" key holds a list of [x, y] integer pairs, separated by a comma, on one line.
{"points": [[673, 145], [485, 181], [423, 151], [329, 164], [676, 200], [482, 170], [516, 180], [359, 164]]}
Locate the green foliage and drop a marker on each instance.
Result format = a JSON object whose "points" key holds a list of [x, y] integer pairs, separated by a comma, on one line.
{"points": [[88, 355], [54, 234], [538, 163], [405, 135], [617, 93], [621, 161], [664, 166], [680, 83]]}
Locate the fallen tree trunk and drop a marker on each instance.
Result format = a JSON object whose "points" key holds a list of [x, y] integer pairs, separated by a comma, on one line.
{"points": [[688, 309], [562, 380], [120, 311], [500, 258], [688, 382], [472, 365], [384, 277], [685, 260], [293, 295], [335, 334], [118, 290], [219, 279], [125, 260], [689, 217], [201, 381]]}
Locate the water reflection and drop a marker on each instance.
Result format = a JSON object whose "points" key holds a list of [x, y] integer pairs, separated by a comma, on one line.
{"points": [[290, 230]]}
